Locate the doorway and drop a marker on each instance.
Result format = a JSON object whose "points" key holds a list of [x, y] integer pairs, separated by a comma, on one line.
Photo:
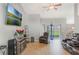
{"points": [[54, 31]]}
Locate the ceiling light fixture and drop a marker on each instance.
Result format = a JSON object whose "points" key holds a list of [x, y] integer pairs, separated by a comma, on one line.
{"points": [[53, 6]]}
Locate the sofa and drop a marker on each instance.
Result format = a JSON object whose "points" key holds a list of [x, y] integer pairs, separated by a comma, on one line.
{"points": [[72, 45]]}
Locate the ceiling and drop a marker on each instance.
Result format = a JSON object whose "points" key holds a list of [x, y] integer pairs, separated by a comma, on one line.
{"points": [[63, 11]]}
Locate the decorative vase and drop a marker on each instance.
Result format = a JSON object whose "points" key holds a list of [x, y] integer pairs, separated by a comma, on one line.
{"points": [[20, 31]]}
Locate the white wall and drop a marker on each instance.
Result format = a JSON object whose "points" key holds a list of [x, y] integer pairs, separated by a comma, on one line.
{"points": [[76, 15], [34, 25], [54, 21], [6, 31]]}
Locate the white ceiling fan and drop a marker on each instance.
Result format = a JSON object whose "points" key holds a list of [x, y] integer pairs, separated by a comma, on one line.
{"points": [[53, 6]]}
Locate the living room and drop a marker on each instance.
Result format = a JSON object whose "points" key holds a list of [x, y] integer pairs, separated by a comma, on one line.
{"points": [[38, 18]]}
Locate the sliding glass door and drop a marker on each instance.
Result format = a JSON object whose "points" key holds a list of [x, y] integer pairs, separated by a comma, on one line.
{"points": [[54, 31]]}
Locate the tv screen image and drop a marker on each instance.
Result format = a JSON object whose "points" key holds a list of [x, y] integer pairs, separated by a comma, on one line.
{"points": [[14, 17]]}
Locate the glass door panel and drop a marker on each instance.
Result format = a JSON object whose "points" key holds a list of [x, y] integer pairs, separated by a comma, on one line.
{"points": [[54, 31]]}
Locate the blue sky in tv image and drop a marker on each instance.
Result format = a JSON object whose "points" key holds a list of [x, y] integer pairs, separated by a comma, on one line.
{"points": [[12, 10]]}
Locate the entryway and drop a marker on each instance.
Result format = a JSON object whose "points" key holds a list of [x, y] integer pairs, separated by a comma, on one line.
{"points": [[54, 31]]}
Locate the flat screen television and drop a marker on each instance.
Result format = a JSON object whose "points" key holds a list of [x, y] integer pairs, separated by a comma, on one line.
{"points": [[14, 17]]}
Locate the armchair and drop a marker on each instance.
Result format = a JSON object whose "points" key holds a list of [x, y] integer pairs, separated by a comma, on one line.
{"points": [[44, 38]]}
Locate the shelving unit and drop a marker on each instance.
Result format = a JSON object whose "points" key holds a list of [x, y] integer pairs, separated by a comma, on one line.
{"points": [[20, 44], [22, 40], [27, 32]]}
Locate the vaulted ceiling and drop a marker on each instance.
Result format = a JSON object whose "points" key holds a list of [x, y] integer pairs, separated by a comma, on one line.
{"points": [[65, 10]]}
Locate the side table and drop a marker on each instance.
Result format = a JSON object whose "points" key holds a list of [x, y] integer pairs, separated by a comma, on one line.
{"points": [[3, 49]]}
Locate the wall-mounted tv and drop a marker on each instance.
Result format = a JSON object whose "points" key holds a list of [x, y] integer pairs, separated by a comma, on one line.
{"points": [[14, 17]]}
